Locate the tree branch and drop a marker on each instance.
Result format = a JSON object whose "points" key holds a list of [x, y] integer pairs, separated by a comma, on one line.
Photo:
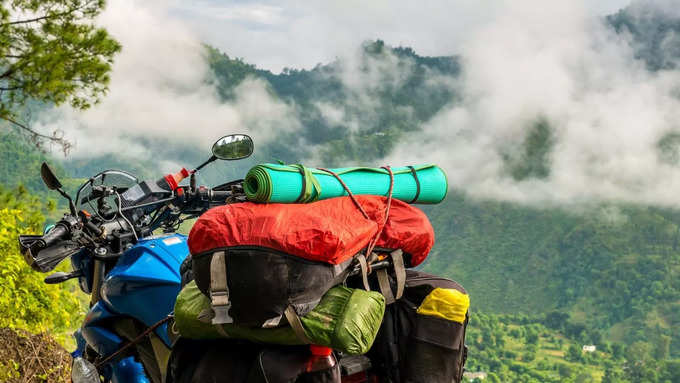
{"points": [[65, 145], [48, 16]]}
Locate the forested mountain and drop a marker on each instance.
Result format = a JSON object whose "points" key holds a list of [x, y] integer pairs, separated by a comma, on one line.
{"points": [[543, 281], [354, 109]]}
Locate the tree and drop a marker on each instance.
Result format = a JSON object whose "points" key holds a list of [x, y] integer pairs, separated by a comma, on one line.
{"points": [[556, 319], [574, 354], [565, 370], [52, 54], [493, 378], [611, 375], [662, 347]]}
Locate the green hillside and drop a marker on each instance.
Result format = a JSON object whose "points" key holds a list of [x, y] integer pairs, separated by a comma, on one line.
{"points": [[615, 270]]}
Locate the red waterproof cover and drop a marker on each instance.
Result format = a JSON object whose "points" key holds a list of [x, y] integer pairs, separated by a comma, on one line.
{"points": [[408, 229], [331, 231]]}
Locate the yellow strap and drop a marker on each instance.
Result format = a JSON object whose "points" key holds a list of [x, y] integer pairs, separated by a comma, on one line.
{"points": [[449, 304]]}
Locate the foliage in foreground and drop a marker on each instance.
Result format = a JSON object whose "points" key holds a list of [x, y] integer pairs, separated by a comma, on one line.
{"points": [[25, 300]]}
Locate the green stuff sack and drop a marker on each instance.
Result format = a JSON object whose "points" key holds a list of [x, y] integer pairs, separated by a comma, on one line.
{"points": [[345, 319], [297, 183]]}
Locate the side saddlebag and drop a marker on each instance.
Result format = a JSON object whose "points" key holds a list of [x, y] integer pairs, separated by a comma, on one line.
{"points": [[422, 337]]}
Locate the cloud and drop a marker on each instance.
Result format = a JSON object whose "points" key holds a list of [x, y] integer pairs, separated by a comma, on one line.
{"points": [[302, 33], [606, 112], [161, 90]]}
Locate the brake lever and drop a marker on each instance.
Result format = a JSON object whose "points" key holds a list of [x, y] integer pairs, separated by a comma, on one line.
{"points": [[61, 276]]}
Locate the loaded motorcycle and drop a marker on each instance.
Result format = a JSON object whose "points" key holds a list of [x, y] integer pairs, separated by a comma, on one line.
{"points": [[120, 235]]}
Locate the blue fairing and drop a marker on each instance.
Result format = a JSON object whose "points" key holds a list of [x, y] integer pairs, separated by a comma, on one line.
{"points": [[96, 331], [146, 280], [96, 334]]}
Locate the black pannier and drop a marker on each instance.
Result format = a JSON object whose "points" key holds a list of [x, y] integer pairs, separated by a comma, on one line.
{"points": [[425, 328]]}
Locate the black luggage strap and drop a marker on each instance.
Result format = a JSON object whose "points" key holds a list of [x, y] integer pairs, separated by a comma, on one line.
{"points": [[385, 289], [219, 290], [415, 177], [399, 274], [296, 324]]}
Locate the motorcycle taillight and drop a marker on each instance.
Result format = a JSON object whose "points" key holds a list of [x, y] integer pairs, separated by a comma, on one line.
{"points": [[322, 358]]}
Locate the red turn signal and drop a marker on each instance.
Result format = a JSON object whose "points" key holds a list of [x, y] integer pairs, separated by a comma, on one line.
{"points": [[173, 180]]}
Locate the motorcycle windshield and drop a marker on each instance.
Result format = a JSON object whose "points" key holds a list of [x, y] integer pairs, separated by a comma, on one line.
{"points": [[88, 197]]}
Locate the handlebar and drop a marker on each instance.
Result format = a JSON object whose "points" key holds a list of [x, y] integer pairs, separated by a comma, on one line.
{"points": [[43, 253], [219, 195], [48, 258], [58, 232], [210, 197]]}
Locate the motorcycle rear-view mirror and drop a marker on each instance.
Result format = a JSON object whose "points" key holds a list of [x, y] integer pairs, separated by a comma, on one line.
{"points": [[233, 147], [52, 183], [49, 178]]}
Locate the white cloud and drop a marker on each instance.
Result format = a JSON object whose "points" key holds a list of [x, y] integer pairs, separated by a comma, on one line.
{"points": [[160, 90], [607, 111], [302, 33]]}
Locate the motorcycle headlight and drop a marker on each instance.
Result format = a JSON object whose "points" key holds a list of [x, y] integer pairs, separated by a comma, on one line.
{"points": [[83, 371]]}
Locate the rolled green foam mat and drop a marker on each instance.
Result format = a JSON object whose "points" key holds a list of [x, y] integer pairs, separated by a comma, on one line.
{"points": [[297, 183]]}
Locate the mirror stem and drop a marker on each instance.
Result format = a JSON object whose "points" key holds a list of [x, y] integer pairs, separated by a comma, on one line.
{"points": [[192, 182], [71, 206], [211, 159]]}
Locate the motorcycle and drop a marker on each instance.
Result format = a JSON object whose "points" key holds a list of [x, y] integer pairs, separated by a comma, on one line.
{"points": [[121, 236]]}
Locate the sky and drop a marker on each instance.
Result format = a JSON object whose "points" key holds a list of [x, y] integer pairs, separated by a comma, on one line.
{"points": [[300, 34]]}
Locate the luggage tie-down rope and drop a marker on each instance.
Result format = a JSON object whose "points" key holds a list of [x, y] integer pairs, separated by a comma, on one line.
{"points": [[349, 192], [371, 245], [397, 255], [133, 342]]}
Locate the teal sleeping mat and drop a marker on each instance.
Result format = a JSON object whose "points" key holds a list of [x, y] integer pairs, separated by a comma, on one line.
{"points": [[425, 184]]}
